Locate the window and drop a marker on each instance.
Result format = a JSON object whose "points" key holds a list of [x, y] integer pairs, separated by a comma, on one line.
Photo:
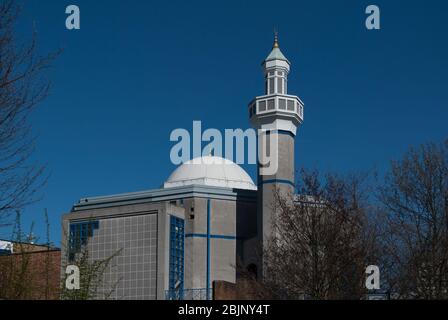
{"points": [[271, 85], [176, 271], [262, 106], [271, 104], [279, 85], [80, 232]]}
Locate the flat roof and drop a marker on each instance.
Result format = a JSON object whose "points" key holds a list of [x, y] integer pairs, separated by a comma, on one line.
{"points": [[165, 194]]}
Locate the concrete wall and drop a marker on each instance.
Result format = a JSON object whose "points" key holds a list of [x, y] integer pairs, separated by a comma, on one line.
{"points": [[281, 182], [223, 250], [224, 235], [206, 250], [266, 191], [209, 252]]}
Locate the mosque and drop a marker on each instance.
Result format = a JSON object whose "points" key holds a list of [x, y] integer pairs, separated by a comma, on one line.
{"points": [[206, 220]]}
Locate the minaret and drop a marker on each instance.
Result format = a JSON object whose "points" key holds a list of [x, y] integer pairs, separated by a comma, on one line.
{"points": [[276, 115]]}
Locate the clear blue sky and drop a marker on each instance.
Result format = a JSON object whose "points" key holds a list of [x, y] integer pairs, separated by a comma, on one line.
{"points": [[139, 69]]}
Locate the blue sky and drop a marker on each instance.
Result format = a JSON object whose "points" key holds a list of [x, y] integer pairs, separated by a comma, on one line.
{"points": [[139, 69]]}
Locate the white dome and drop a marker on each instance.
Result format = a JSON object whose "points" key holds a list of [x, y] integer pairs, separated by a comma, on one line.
{"points": [[210, 171]]}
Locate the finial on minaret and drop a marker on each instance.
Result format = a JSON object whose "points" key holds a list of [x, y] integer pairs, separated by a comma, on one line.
{"points": [[275, 39]]}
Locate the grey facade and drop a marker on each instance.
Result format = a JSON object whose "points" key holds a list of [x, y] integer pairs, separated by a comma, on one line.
{"points": [[217, 221]]}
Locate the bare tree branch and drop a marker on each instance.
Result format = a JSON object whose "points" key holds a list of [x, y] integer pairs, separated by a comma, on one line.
{"points": [[322, 242], [415, 199], [22, 87]]}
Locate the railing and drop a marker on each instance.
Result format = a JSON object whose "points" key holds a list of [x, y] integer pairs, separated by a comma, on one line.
{"points": [[189, 294], [274, 103]]}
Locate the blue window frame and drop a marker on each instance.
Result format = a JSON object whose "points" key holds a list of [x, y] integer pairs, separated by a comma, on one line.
{"points": [[79, 234], [176, 270]]}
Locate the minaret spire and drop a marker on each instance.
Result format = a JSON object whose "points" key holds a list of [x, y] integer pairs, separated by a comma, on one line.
{"points": [[275, 39]]}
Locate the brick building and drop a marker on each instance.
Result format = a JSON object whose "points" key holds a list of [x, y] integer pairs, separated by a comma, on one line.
{"points": [[29, 271]]}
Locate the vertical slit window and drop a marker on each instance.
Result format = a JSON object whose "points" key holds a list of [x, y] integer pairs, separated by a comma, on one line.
{"points": [[280, 85], [271, 85], [177, 233]]}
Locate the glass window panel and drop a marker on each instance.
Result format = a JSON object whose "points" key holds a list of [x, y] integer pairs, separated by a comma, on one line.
{"points": [[176, 271]]}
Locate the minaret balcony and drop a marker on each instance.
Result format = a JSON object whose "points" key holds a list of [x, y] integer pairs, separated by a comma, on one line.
{"points": [[281, 104]]}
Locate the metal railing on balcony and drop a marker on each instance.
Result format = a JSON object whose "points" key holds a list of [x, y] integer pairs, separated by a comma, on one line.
{"points": [[189, 294]]}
